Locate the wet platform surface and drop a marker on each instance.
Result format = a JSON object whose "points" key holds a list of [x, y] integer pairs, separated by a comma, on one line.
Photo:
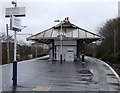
{"points": [[42, 75]]}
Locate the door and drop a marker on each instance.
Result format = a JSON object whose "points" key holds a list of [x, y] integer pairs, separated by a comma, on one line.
{"points": [[70, 55]]}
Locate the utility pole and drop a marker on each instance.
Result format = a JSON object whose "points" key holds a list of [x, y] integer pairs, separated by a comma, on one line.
{"points": [[36, 50], [7, 44], [93, 50], [61, 44], [114, 41]]}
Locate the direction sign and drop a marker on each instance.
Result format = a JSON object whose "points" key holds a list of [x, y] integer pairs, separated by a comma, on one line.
{"points": [[16, 11], [15, 24]]}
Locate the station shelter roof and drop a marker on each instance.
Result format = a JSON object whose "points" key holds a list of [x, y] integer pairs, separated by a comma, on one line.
{"points": [[69, 32]]}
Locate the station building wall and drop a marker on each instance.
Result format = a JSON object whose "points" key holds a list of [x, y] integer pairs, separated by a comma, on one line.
{"points": [[68, 46]]}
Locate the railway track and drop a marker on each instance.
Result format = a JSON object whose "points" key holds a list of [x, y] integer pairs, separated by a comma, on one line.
{"points": [[116, 68]]}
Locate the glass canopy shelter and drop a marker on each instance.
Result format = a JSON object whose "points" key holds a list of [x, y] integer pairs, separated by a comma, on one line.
{"points": [[73, 38]]}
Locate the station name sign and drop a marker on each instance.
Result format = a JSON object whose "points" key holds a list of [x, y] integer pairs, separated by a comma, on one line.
{"points": [[15, 24], [16, 11]]}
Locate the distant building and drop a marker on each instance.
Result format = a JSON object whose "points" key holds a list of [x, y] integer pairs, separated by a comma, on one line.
{"points": [[44, 46], [74, 38]]}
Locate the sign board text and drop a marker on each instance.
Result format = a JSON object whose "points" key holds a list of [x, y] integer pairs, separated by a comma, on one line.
{"points": [[16, 11]]}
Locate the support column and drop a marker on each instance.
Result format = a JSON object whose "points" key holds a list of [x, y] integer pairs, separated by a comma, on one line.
{"points": [[79, 49], [81, 46], [53, 50]]}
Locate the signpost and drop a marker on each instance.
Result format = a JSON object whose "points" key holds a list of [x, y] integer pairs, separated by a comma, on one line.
{"points": [[16, 11], [15, 25]]}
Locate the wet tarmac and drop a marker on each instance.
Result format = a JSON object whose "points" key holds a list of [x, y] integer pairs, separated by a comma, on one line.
{"points": [[43, 75]]}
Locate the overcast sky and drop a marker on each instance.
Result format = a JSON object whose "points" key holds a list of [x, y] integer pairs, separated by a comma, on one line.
{"points": [[40, 14]]}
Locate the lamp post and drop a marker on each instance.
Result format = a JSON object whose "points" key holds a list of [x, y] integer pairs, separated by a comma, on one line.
{"points": [[14, 3], [60, 40]]}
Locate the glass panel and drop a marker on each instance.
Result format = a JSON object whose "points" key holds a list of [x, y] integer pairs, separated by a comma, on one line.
{"points": [[33, 37], [63, 31], [81, 34], [89, 35], [40, 35], [48, 33], [97, 37], [55, 33], [75, 32], [68, 32]]}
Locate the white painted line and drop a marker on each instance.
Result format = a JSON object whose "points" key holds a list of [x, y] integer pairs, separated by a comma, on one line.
{"points": [[26, 60], [117, 76]]}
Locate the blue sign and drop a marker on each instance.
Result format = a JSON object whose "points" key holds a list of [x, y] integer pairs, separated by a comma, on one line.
{"points": [[16, 29]]}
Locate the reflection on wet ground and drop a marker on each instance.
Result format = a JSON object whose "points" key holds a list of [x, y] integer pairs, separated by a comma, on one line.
{"points": [[69, 76]]}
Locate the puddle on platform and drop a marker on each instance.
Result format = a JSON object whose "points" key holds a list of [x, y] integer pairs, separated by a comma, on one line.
{"points": [[84, 72], [110, 74]]}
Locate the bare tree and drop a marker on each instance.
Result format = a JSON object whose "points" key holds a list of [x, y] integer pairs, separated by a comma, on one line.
{"points": [[111, 33], [4, 38]]}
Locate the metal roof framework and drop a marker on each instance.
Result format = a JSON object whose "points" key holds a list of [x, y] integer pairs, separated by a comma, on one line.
{"points": [[70, 32]]}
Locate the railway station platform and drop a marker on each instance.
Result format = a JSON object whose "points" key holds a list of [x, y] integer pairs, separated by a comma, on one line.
{"points": [[42, 75]]}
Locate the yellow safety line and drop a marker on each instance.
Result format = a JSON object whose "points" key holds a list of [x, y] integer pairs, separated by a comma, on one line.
{"points": [[35, 89]]}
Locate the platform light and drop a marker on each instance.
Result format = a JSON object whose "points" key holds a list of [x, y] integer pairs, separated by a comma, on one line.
{"points": [[14, 3], [57, 21], [61, 38]]}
